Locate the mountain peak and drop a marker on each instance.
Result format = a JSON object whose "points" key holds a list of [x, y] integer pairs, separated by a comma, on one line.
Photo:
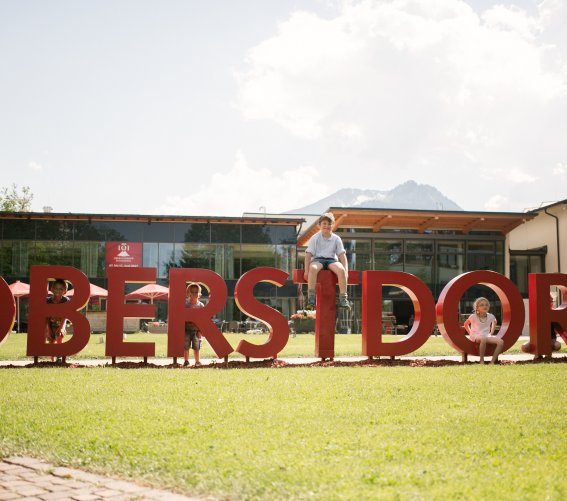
{"points": [[408, 195]]}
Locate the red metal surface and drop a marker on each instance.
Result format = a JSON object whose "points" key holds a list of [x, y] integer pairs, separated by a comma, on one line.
{"points": [[202, 317], [423, 305], [326, 309], [513, 315], [117, 310], [40, 311], [250, 306], [7, 310], [541, 314]]}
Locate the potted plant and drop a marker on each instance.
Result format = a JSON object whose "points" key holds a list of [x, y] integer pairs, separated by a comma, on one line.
{"points": [[304, 321]]}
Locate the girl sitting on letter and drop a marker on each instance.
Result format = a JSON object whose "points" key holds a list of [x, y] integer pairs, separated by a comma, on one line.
{"points": [[480, 326]]}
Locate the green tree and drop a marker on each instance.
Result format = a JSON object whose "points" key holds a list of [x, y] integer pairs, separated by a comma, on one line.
{"points": [[13, 201]]}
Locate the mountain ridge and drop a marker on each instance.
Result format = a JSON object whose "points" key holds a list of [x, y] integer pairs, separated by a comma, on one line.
{"points": [[408, 195]]}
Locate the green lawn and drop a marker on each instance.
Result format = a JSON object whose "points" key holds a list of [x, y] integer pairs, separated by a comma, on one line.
{"points": [[459, 432], [302, 345]]}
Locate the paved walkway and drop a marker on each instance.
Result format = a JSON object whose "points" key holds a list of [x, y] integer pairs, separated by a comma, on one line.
{"points": [[33, 480]]}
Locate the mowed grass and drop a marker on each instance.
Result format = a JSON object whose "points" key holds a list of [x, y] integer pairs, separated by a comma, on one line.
{"points": [[302, 345], [459, 432]]}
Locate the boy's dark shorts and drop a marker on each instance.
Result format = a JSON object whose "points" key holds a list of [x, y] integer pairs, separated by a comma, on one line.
{"points": [[192, 341], [325, 261]]}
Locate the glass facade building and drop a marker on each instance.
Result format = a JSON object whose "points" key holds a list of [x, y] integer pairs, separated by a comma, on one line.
{"points": [[434, 246], [230, 247]]}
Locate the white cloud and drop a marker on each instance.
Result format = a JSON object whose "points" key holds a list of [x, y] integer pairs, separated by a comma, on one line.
{"points": [[35, 167], [560, 169], [512, 175], [495, 203], [317, 76], [247, 189], [391, 86]]}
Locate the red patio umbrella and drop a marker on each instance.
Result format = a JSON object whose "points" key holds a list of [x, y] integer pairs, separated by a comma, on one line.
{"points": [[95, 291], [19, 289], [151, 292]]}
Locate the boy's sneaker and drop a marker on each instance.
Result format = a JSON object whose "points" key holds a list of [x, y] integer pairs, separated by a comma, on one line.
{"points": [[344, 303], [186, 363], [198, 364], [311, 302], [59, 360]]}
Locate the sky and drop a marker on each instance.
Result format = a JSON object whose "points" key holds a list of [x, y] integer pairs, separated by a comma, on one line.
{"points": [[223, 107]]}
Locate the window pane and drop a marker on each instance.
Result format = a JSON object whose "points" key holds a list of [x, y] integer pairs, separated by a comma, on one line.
{"points": [[388, 255], [54, 253], [166, 259], [416, 246], [419, 265], [115, 231], [225, 233], [150, 255], [450, 246], [91, 255], [195, 256], [268, 233], [519, 272], [157, 232], [285, 258], [536, 264], [481, 262], [481, 246], [54, 230], [388, 262], [359, 254], [254, 256], [449, 266], [15, 258], [192, 232], [391, 246], [18, 229]]}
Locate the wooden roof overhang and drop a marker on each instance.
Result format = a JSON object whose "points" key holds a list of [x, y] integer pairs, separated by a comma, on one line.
{"points": [[421, 220], [52, 216]]}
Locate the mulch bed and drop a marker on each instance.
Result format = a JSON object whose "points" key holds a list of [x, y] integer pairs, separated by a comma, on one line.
{"points": [[282, 364]]}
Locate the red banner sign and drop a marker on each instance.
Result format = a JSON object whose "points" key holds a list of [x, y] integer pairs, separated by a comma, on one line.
{"points": [[123, 255]]}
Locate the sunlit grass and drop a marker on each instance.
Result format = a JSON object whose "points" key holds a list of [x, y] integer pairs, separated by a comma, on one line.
{"points": [[464, 432], [302, 345]]}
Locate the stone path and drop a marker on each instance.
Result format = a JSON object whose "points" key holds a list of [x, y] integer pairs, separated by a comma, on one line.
{"points": [[29, 479]]}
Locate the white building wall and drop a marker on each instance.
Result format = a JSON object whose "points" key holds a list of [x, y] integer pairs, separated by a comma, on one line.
{"points": [[540, 231]]}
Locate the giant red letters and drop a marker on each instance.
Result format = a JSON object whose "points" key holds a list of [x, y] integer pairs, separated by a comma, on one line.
{"points": [[423, 306], [117, 311], [201, 317], [448, 308], [326, 309], [7, 310], [248, 304], [40, 311], [542, 316]]}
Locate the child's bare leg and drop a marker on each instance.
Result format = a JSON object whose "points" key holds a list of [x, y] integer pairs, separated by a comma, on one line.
{"points": [[497, 349], [186, 355], [482, 348], [196, 354], [339, 270], [314, 269]]}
